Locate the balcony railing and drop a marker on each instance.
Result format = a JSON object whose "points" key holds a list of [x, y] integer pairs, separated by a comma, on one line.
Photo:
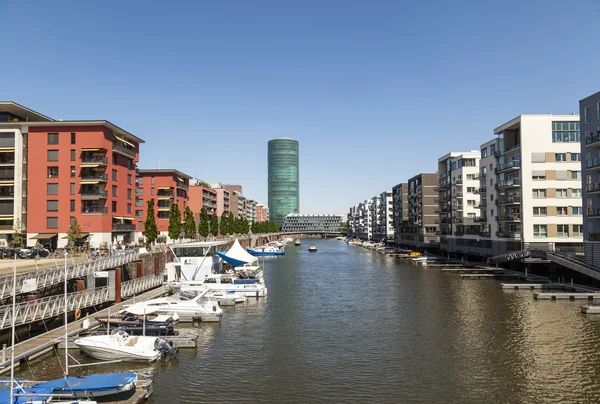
{"points": [[515, 164], [473, 231], [94, 194], [515, 182], [445, 220], [510, 217], [459, 232], [123, 227], [508, 234], [482, 205], [182, 185], [594, 236], [507, 200], [481, 190], [94, 176], [458, 181], [480, 176], [128, 152], [593, 163], [593, 212], [480, 219], [515, 147], [591, 188], [94, 210], [591, 139], [94, 159], [485, 233]]}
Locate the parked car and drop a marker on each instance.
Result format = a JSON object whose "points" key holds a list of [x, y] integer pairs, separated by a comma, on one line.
{"points": [[33, 253], [8, 253]]}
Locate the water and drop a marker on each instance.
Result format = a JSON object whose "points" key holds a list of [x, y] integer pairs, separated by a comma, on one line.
{"points": [[349, 325]]}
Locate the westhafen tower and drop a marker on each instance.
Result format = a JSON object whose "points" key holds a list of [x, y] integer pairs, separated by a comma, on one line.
{"points": [[284, 192]]}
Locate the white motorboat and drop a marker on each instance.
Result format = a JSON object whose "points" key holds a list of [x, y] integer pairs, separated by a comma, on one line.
{"points": [[229, 283], [189, 305], [424, 260], [591, 308], [312, 248], [121, 345], [297, 242], [224, 297], [340, 238]]}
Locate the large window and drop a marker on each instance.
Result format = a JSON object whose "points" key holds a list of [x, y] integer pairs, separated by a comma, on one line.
{"points": [[562, 230], [52, 138], [576, 175], [561, 193], [540, 230], [52, 155], [575, 156], [539, 211], [52, 206], [484, 153], [539, 193], [560, 156], [565, 132], [562, 211], [576, 193], [576, 210], [577, 230], [53, 172], [52, 222], [52, 189]]}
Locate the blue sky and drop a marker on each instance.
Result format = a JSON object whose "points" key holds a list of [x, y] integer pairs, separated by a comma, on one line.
{"points": [[375, 91]]}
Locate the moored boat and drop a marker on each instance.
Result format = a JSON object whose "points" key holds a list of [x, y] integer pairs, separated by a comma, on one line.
{"points": [[312, 248], [134, 324], [94, 385], [297, 242], [266, 250], [591, 308], [188, 305], [125, 347]]}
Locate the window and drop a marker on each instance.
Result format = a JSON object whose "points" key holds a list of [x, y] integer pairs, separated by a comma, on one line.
{"points": [[73, 155], [577, 230], [73, 171], [538, 157], [560, 156], [484, 152], [139, 213], [586, 115], [576, 175], [72, 188], [128, 193], [562, 230], [52, 189], [575, 156], [576, 210], [141, 225], [52, 138], [52, 222], [129, 179], [540, 230], [491, 182], [598, 110], [471, 189], [114, 158], [114, 175], [538, 175], [491, 166], [52, 155], [52, 206], [152, 180], [53, 172], [114, 206], [565, 132], [492, 197], [72, 205], [128, 208], [492, 148], [539, 193], [152, 191], [562, 211], [129, 165], [561, 193], [576, 193], [72, 219], [73, 137], [470, 202], [539, 211], [114, 190]]}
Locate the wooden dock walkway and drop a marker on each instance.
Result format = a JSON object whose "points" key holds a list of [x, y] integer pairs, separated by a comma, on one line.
{"points": [[43, 343]]}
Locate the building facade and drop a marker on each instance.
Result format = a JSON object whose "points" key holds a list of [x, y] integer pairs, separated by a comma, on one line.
{"points": [[309, 223], [589, 110], [262, 213], [283, 178], [202, 196], [399, 209], [422, 227], [223, 197], [384, 217]]}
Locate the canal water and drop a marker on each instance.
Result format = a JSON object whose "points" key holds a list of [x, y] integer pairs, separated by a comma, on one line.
{"points": [[347, 325]]}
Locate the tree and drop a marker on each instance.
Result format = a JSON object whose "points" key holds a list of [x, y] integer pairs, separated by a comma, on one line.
{"points": [[245, 226], [16, 238], [224, 225], [189, 227], [150, 227], [174, 222], [203, 227], [214, 225], [74, 234], [343, 228]]}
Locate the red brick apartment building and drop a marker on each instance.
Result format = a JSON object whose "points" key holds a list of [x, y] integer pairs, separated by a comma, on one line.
{"points": [[53, 172], [202, 196]]}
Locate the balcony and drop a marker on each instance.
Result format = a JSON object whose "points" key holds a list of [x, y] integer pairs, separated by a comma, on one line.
{"points": [[509, 217], [94, 194], [482, 205], [182, 185], [512, 166], [515, 147], [592, 140], [470, 231], [485, 233], [164, 195], [480, 176], [592, 188], [508, 200], [480, 219], [94, 210], [508, 234], [593, 212], [7, 159], [480, 190], [441, 187], [593, 164], [442, 199], [94, 159], [125, 227], [594, 236], [497, 153], [458, 194], [444, 220], [512, 183], [459, 232], [94, 177], [442, 210], [458, 182], [126, 151]]}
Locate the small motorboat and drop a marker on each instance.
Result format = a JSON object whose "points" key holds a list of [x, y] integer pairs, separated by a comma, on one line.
{"points": [[189, 305], [591, 308], [94, 385], [266, 250], [312, 248], [125, 347], [297, 242], [133, 323]]}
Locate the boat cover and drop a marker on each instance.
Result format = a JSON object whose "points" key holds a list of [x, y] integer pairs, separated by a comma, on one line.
{"points": [[95, 382], [140, 309], [236, 255], [5, 395]]}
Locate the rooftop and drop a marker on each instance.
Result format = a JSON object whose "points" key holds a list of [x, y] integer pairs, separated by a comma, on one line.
{"points": [[164, 171]]}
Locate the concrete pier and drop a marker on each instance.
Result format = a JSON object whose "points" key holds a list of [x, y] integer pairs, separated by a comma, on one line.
{"points": [[567, 296]]}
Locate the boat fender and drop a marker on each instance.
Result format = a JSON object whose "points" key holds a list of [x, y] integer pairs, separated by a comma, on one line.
{"points": [[77, 314]]}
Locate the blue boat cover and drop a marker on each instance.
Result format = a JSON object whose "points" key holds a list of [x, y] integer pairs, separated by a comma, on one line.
{"points": [[5, 395], [231, 261], [95, 382], [244, 281], [257, 252]]}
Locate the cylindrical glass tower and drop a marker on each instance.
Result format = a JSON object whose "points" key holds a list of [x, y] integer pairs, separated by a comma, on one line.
{"points": [[284, 194]]}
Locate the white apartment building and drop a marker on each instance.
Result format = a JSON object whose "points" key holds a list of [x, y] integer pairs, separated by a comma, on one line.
{"points": [[374, 207], [251, 210], [365, 226], [386, 216]]}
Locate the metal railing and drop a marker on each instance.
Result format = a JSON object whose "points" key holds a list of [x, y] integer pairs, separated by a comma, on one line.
{"points": [[94, 159], [94, 210], [513, 255], [138, 285], [574, 264], [94, 193], [123, 227], [50, 276], [515, 182], [125, 150], [94, 176]]}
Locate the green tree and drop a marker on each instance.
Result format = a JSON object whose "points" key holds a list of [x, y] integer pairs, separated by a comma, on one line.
{"points": [[214, 225], [74, 234], [231, 223], [203, 227], [174, 222], [16, 237], [189, 227], [245, 226], [150, 227], [224, 225], [343, 227]]}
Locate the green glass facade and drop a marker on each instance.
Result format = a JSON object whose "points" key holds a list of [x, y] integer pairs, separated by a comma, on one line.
{"points": [[284, 194]]}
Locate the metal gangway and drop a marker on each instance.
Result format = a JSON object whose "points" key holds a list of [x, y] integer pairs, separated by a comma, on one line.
{"points": [[513, 255], [52, 306], [50, 276], [574, 264]]}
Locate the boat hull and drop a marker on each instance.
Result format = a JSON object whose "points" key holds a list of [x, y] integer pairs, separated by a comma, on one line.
{"points": [[108, 354], [264, 253]]}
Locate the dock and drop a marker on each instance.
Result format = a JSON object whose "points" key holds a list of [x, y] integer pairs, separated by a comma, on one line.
{"points": [[143, 390], [176, 341], [567, 296], [472, 270], [43, 343]]}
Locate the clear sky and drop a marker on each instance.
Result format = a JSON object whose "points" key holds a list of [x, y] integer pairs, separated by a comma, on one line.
{"points": [[374, 91]]}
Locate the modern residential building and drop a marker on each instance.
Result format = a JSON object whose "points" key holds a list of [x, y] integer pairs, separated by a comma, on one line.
{"points": [[262, 213], [88, 172], [223, 197], [374, 211], [202, 196], [384, 228], [364, 226], [422, 226], [164, 187], [399, 209], [487, 207], [283, 175], [589, 109], [312, 223], [251, 210], [458, 198]]}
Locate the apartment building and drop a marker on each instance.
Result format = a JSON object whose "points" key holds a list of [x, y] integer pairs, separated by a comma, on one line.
{"points": [[223, 197], [399, 209], [422, 226], [383, 224], [164, 187], [86, 171], [458, 198], [295, 222], [538, 184], [251, 210], [589, 109], [262, 213], [364, 227], [374, 213], [202, 196]]}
